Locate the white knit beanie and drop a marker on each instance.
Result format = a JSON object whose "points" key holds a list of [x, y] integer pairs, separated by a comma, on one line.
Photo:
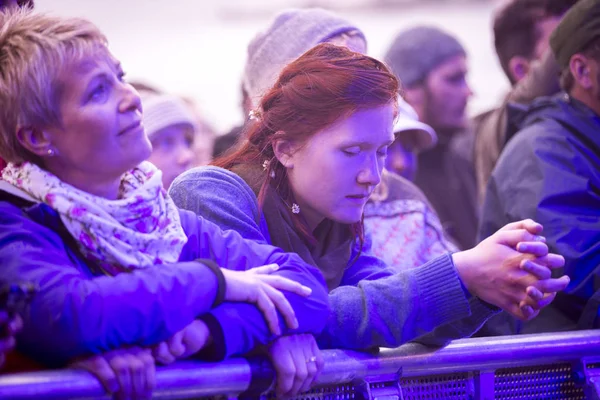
{"points": [[292, 33], [161, 111]]}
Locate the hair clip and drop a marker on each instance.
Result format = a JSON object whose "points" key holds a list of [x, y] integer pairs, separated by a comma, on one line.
{"points": [[254, 115]]}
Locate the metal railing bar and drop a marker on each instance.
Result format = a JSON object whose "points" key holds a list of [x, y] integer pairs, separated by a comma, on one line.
{"points": [[195, 378]]}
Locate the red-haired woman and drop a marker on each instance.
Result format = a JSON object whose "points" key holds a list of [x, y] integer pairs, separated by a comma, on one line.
{"points": [[300, 181]]}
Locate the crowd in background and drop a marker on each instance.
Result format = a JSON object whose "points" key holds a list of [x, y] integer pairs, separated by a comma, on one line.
{"points": [[358, 205]]}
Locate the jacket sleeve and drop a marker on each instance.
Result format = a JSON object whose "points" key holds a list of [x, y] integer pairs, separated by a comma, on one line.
{"points": [[373, 306], [75, 313], [221, 197], [546, 175], [237, 328]]}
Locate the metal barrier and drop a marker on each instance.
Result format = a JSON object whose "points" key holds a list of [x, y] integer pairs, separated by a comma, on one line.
{"points": [[547, 366]]}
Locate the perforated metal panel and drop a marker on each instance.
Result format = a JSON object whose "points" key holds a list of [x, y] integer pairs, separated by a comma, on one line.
{"points": [[339, 392], [551, 382], [451, 387], [448, 387], [546, 382]]}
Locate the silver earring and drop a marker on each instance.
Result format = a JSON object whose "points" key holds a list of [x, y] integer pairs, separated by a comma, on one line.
{"points": [[50, 152], [295, 208], [265, 166]]}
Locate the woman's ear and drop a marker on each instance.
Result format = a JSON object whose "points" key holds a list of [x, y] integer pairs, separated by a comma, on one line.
{"points": [[35, 140], [284, 151]]}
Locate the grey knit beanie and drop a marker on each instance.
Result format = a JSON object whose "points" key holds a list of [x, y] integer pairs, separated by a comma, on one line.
{"points": [[417, 51], [291, 34]]}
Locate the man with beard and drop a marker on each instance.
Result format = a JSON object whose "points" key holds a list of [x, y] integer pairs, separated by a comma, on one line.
{"points": [[550, 171], [432, 67]]}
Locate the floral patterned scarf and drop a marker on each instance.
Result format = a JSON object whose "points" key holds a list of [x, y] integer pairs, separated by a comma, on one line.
{"points": [[139, 229]]}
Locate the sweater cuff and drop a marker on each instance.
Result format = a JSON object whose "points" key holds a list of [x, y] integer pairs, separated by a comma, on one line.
{"points": [[440, 289], [221, 283], [481, 311], [468, 294]]}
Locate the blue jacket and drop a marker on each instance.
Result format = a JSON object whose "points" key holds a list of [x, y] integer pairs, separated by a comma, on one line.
{"points": [[373, 305], [550, 171], [76, 313]]}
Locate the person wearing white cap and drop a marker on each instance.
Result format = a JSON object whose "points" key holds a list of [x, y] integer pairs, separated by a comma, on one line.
{"points": [[412, 137], [404, 227], [170, 126]]}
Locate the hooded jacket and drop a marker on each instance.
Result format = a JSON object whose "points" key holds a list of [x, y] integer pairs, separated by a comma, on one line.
{"points": [[491, 126], [550, 172]]}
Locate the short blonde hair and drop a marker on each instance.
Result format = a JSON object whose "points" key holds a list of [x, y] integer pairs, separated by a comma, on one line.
{"points": [[34, 48]]}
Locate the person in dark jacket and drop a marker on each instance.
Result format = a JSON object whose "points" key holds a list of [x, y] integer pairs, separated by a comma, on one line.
{"points": [[522, 31], [432, 67], [85, 218], [550, 171]]}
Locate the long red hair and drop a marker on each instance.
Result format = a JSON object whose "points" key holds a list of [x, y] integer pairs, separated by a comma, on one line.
{"points": [[324, 85]]}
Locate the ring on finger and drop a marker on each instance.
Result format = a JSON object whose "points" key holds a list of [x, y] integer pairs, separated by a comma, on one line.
{"points": [[311, 360]]}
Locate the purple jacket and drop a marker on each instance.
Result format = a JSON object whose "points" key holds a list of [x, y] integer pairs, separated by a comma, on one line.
{"points": [[77, 313]]}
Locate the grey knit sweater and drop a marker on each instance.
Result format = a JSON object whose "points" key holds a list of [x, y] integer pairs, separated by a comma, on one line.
{"points": [[373, 306]]}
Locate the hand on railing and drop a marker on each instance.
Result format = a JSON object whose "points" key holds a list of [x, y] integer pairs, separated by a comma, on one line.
{"points": [[258, 286], [183, 344], [297, 361], [8, 328], [127, 373], [512, 270]]}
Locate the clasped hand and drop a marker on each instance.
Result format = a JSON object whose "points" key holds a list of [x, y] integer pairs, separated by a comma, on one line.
{"points": [[512, 269]]}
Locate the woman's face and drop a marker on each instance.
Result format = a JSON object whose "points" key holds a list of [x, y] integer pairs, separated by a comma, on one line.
{"points": [[334, 173], [101, 135], [402, 156], [172, 151]]}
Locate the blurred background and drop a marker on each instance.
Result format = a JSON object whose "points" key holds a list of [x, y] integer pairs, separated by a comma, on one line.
{"points": [[197, 48]]}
